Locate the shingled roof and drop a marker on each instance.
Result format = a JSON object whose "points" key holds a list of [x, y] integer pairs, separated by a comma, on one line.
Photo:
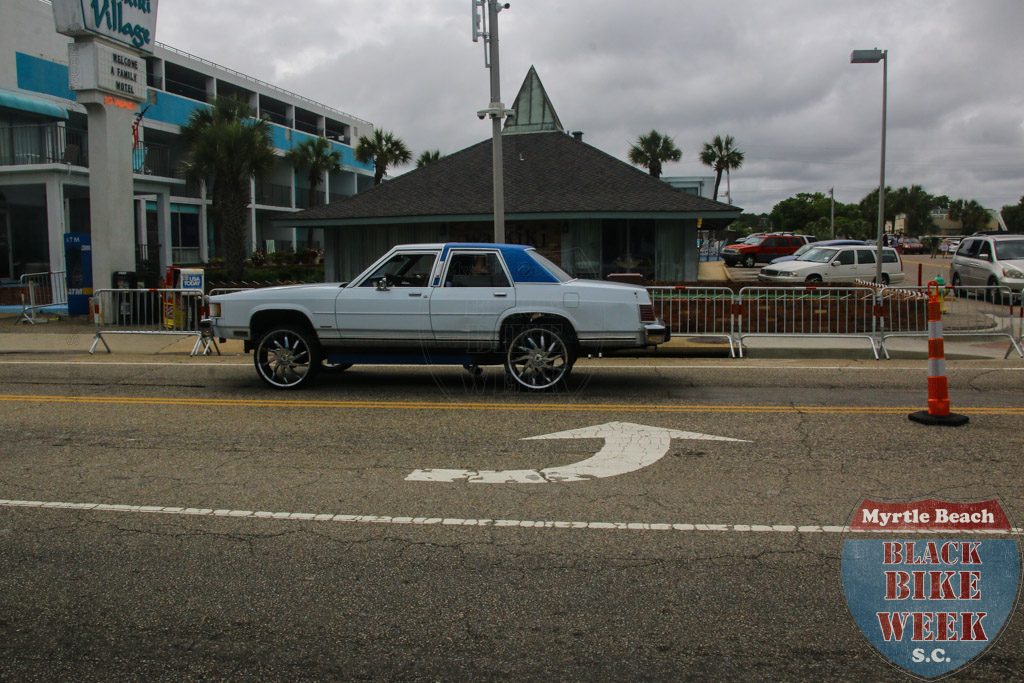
{"points": [[546, 173]]}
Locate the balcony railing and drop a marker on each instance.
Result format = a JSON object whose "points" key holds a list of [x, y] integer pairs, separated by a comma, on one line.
{"points": [[304, 198], [270, 194], [152, 158], [46, 143]]}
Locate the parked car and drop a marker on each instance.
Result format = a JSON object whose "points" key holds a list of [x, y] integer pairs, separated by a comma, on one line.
{"points": [[764, 248], [468, 304], [949, 245], [989, 261], [836, 264], [911, 245], [810, 245]]}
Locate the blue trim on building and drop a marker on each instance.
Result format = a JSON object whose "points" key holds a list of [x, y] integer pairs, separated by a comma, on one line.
{"points": [[173, 109], [43, 76], [32, 105]]}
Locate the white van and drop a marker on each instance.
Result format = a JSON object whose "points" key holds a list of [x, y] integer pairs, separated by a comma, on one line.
{"points": [[836, 264]]}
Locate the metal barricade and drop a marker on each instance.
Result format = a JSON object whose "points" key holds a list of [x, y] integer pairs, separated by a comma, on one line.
{"points": [[150, 312], [840, 312], [39, 291], [696, 311], [966, 312]]}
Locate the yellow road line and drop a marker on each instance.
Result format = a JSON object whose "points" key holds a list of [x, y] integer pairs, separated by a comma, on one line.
{"points": [[488, 406]]}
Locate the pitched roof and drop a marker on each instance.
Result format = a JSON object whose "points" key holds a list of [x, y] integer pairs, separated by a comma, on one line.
{"points": [[544, 173]]}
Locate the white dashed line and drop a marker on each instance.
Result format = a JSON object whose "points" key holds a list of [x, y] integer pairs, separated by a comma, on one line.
{"points": [[456, 521]]}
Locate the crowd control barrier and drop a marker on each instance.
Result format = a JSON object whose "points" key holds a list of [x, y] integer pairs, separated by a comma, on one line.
{"points": [[39, 291], [841, 312], [696, 311], [150, 312], [966, 312]]}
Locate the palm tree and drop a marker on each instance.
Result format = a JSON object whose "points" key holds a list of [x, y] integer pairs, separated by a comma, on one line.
{"points": [[384, 150], [720, 155], [428, 157], [653, 149], [972, 216], [226, 147], [318, 158]]}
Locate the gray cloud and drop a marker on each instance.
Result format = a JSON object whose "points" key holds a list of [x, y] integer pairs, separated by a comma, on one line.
{"points": [[775, 75]]}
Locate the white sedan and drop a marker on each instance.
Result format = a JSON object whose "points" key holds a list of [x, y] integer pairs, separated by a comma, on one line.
{"points": [[464, 304], [836, 264]]}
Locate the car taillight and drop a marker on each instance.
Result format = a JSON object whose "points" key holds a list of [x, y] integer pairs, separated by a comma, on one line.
{"points": [[647, 314]]}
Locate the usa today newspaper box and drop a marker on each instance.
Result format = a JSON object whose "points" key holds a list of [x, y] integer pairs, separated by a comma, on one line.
{"points": [[182, 309]]}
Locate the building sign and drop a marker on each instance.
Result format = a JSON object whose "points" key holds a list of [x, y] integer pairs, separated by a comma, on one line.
{"points": [[130, 22], [96, 66]]}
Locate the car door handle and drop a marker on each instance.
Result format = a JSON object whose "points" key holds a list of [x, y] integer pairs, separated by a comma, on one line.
{"points": [[500, 293], [415, 293]]}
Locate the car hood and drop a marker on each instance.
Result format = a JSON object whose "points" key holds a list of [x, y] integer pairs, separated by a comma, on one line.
{"points": [[797, 265], [263, 291]]}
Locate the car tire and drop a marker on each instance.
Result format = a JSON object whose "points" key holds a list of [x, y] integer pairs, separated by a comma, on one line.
{"points": [[885, 279], [991, 294], [813, 280], [749, 261], [538, 357], [287, 357], [956, 286]]}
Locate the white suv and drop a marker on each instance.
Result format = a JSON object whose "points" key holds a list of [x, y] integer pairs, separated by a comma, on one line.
{"points": [[989, 261], [836, 264]]}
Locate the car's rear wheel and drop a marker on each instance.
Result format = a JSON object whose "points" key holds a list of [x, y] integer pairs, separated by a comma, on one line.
{"points": [[287, 357], [538, 357], [885, 279], [749, 261]]}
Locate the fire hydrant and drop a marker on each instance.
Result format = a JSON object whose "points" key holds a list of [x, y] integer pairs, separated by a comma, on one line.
{"points": [[943, 293]]}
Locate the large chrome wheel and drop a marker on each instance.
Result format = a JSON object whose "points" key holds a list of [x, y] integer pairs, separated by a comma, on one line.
{"points": [[750, 261], [538, 357], [287, 358]]}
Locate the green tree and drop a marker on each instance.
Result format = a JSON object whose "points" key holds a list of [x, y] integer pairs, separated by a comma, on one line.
{"points": [[801, 212], [972, 215], [226, 147], [721, 155], [384, 150], [316, 156], [1013, 216], [913, 202], [428, 157], [652, 150]]}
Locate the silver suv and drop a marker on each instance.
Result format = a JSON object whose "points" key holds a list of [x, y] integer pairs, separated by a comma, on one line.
{"points": [[989, 260]]}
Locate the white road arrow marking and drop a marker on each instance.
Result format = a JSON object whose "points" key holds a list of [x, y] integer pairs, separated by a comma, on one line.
{"points": [[627, 447]]}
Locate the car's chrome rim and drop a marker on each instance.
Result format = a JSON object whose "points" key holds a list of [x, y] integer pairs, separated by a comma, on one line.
{"points": [[284, 358], [537, 358]]}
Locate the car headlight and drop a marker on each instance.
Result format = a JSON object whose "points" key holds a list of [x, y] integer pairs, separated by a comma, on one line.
{"points": [[1011, 272], [785, 273]]}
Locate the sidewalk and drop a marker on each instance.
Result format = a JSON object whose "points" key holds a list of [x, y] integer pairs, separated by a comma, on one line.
{"points": [[74, 336]]}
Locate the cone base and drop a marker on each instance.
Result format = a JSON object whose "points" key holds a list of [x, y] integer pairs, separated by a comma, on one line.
{"points": [[951, 420]]}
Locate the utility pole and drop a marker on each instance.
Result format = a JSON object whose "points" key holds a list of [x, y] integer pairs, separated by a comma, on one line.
{"points": [[832, 210], [486, 26]]}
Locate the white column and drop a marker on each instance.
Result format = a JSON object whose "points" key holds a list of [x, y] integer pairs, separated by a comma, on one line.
{"points": [[141, 234], [163, 227], [204, 225], [55, 222]]}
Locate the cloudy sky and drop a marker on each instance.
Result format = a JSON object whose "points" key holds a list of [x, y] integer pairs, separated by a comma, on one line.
{"points": [[774, 74]]}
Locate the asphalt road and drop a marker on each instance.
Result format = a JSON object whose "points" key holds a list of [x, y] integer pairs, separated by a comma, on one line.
{"points": [[284, 541]]}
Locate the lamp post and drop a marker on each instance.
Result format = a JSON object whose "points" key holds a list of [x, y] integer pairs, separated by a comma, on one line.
{"points": [[873, 57]]}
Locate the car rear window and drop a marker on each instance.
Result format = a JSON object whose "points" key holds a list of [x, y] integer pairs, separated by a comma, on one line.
{"points": [[549, 266]]}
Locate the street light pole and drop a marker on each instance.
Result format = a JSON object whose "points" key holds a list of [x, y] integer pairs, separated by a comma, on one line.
{"points": [[496, 109], [873, 57], [832, 210]]}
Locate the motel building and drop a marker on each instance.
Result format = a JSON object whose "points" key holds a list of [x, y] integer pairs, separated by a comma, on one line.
{"points": [[45, 171]]}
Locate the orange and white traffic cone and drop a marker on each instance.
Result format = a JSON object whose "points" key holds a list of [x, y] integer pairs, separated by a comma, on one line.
{"points": [[938, 386]]}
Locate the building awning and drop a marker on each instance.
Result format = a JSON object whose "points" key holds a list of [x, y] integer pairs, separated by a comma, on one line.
{"points": [[32, 105]]}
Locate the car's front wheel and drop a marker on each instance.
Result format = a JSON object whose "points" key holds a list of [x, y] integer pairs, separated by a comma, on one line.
{"points": [[749, 261], [287, 357], [538, 357]]}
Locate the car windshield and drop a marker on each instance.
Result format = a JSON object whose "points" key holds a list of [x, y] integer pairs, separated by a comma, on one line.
{"points": [[818, 255], [803, 250], [1012, 250], [547, 265], [754, 240]]}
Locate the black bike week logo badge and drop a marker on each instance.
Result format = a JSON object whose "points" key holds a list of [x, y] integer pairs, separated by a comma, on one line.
{"points": [[931, 583]]}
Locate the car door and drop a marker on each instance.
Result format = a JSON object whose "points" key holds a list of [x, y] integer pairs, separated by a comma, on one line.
{"points": [[475, 289], [391, 304], [842, 267], [964, 261]]}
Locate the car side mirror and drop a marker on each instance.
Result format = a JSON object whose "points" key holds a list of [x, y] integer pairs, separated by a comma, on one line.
{"points": [[382, 285], [834, 264]]}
